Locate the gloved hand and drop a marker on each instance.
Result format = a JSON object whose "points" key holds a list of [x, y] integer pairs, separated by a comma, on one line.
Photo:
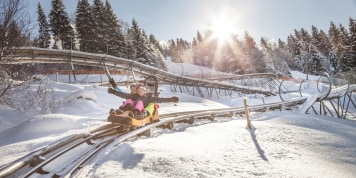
{"points": [[174, 99], [112, 82], [111, 91]]}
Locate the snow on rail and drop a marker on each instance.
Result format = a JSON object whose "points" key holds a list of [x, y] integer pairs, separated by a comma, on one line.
{"points": [[334, 93], [41, 55]]}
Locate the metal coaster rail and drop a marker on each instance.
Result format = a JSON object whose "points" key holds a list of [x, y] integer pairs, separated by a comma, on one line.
{"points": [[41, 55], [106, 136], [37, 160]]}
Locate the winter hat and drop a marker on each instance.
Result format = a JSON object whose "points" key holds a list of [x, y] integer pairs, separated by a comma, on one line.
{"points": [[140, 87]]}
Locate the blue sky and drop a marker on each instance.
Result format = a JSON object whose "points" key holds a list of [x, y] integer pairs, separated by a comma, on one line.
{"points": [[272, 19]]}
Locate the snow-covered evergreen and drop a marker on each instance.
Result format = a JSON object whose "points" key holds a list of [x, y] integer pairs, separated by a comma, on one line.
{"points": [[61, 27], [44, 36]]}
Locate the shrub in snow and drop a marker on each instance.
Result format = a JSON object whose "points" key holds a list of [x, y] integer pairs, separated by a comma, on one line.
{"points": [[36, 95]]}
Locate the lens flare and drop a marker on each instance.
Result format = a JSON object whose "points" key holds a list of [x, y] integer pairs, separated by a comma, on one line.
{"points": [[222, 29]]}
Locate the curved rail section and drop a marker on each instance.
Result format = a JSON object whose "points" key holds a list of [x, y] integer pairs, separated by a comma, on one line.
{"points": [[41, 55], [333, 100], [336, 101], [83, 148]]}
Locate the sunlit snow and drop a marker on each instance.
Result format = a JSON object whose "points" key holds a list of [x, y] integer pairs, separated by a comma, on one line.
{"points": [[280, 144]]}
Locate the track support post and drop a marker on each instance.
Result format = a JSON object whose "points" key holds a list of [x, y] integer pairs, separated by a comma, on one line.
{"points": [[247, 112]]}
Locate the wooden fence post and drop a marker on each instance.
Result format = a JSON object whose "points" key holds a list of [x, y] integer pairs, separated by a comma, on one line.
{"points": [[247, 112]]}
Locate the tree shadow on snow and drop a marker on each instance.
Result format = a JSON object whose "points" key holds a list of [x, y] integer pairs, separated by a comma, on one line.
{"points": [[257, 145]]}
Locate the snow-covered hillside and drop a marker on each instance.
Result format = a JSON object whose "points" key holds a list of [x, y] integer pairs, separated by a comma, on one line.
{"points": [[281, 144]]}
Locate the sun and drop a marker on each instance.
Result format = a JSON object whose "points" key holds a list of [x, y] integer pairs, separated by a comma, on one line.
{"points": [[222, 29]]}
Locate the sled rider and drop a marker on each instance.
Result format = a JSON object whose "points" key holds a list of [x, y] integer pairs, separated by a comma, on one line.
{"points": [[127, 105], [142, 103]]}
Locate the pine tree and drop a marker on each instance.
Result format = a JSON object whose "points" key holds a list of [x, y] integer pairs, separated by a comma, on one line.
{"points": [[234, 57], [194, 43], [344, 61], [195, 47], [285, 59], [136, 42], [352, 43], [143, 48], [316, 56], [178, 51], [85, 26], [182, 52], [100, 37], [334, 40], [324, 44], [172, 46], [208, 47], [334, 35], [321, 43], [155, 42], [326, 49], [293, 46], [156, 54], [15, 37], [114, 34], [255, 61], [278, 55], [268, 52], [316, 38], [302, 45], [199, 37], [339, 40], [198, 50], [44, 38], [60, 25], [281, 44]]}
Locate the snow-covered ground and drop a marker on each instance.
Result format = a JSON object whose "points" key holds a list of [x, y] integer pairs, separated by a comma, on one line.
{"points": [[281, 143]]}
